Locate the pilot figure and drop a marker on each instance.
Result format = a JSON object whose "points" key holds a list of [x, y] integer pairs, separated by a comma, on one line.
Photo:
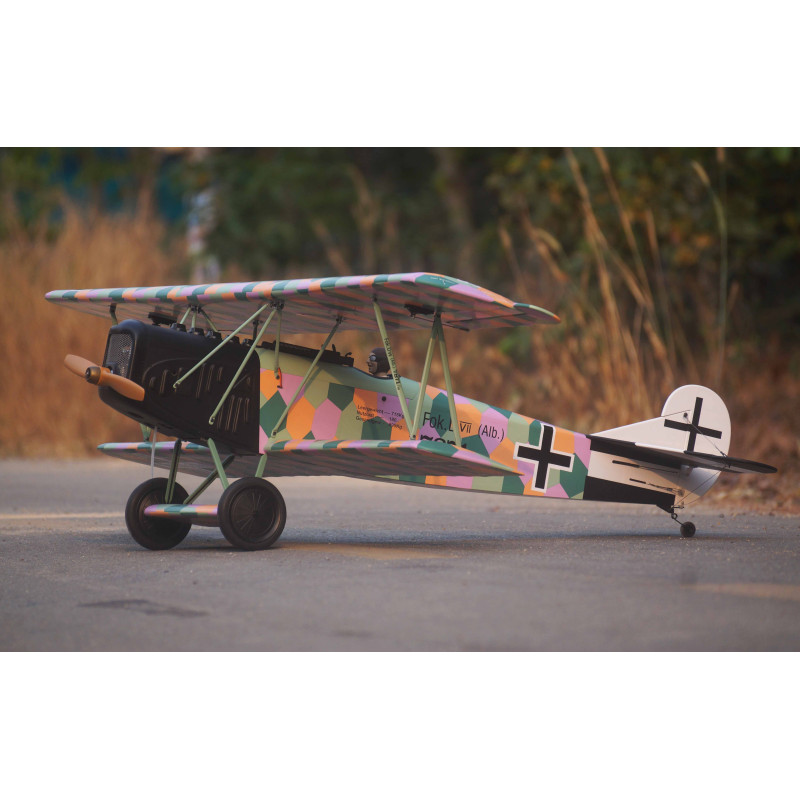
{"points": [[378, 364]]}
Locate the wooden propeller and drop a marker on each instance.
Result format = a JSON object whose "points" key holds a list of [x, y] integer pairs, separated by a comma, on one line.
{"points": [[103, 376]]}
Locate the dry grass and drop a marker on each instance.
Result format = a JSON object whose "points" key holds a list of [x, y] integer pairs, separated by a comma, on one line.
{"points": [[610, 363], [44, 410]]}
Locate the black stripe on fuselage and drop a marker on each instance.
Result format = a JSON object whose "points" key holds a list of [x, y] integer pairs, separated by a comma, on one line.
{"points": [[615, 447], [613, 492]]}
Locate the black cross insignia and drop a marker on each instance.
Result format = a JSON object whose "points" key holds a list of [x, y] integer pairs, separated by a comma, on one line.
{"points": [[693, 427], [544, 456]]}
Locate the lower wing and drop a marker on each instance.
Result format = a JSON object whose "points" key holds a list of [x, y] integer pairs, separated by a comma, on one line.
{"points": [[306, 457]]}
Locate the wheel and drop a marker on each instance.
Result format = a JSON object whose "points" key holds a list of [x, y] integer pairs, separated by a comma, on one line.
{"points": [[251, 513], [688, 530], [151, 532]]}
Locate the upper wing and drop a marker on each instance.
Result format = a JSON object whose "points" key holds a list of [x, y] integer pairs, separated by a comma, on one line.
{"points": [[672, 458], [367, 458], [407, 300]]}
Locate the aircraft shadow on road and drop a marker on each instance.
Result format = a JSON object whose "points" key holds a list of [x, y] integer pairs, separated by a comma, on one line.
{"points": [[436, 545]]}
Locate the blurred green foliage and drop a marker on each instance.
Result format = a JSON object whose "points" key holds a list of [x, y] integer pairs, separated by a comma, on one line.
{"points": [[468, 212]]}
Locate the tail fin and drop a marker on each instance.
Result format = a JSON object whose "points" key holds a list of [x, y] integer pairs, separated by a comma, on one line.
{"points": [[694, 419]]}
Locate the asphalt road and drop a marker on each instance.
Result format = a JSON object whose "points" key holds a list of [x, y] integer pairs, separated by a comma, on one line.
{"points": [[368, 566]]}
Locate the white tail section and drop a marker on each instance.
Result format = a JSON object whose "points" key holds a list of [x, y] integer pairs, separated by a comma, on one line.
{"points": [[695, 419]]}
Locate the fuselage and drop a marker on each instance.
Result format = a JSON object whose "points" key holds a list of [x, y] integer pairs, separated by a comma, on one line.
{"points": [[345, 403], [342, 403]]}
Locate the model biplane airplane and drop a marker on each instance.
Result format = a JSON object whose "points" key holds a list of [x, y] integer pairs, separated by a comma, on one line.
{"points": [[256, 407]]}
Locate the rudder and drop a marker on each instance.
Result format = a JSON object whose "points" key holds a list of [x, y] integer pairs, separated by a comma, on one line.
{"points": [[694, 419]]}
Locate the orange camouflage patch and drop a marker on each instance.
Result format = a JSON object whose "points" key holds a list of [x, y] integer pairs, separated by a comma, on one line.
{"points": [[300, 419], [469, 418], [366, 403], [269, 385], [504, 453], [400, 431], [564, 440]]}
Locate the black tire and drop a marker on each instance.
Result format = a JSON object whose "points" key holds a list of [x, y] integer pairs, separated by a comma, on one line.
{"points": [[150, 532], [251, 514], [688, 530]]}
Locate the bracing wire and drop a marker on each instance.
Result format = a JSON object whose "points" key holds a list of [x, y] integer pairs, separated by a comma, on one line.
{"points": [[699, 432], [695, 492]]}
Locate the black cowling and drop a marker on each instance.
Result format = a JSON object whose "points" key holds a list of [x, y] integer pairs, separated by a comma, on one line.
{"points": [[155, 356]]}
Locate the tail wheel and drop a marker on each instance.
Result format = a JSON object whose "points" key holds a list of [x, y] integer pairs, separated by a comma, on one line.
{"points": [[688, 530], [251, 513], [152, 532]]}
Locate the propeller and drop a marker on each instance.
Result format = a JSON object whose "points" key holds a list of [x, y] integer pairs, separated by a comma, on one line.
{"points": [[103, 376]]}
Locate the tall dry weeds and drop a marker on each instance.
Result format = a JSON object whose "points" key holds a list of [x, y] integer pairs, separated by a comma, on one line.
{"points": [[44, 410], [615, 360], [623, 344]]}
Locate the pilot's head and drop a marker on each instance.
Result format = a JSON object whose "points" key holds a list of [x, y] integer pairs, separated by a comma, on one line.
{"points": [[377, 363]]}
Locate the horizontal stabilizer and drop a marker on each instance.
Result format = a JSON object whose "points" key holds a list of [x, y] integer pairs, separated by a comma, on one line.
{"points": [[675, 459], [366, 458]]}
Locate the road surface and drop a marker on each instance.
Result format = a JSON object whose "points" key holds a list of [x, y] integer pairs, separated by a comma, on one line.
{"points": [[369, 566]]}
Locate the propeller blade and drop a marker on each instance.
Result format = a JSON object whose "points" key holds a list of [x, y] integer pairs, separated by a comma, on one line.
{"points": [[103, 376], [77, 365], [124, 386]]}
